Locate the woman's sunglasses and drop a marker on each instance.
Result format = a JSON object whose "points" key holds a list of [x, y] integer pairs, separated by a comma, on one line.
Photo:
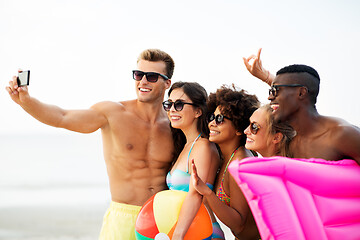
{"points": [[150, 76], [178, 105], [254, 128], [219, 119]]}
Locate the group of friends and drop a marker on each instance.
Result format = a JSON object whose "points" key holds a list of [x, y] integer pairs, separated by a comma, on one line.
{"points": [[188, 141]]}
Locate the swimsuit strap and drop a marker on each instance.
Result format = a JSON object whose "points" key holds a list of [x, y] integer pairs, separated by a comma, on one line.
{"points": [[227, 165], [221, 191], [187, 166]]}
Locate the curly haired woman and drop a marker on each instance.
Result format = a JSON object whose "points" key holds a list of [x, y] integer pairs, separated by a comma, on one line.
{"points": [[230, 112]]}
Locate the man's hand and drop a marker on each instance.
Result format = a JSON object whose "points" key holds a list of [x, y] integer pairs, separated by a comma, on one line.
{"points": [[18, 94], [254, 66]]}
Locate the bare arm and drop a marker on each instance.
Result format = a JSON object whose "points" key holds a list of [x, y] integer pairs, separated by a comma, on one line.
{"points": [[233, 216], [257, 70], [193, 199], [84, 121], [348, 142]]}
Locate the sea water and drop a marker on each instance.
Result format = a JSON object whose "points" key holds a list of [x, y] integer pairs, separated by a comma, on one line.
{"points": [[61, 174], [49, 169], [52, 186]]}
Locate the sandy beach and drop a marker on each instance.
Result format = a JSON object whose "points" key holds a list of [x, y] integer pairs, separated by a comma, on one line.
{"points": [[51, 223]]}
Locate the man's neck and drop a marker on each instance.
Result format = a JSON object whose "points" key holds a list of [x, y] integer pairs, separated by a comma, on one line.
{"points": [[305, 121], [150, 111]]}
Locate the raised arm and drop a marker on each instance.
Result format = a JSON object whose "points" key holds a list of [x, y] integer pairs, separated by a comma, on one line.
{"points": [[84, 121], [256, 68], [233, 216]]}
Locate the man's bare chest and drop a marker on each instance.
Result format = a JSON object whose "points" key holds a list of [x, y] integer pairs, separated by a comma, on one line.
{"points": [[315, 148], [139, 140]]}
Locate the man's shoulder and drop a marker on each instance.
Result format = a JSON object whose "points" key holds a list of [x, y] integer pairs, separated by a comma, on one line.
{"points": [[335, 123], [110, 105], [340, 129], [345, 138]]}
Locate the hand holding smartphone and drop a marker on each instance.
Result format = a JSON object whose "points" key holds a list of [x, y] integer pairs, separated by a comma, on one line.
{"points": [[23, 78]]}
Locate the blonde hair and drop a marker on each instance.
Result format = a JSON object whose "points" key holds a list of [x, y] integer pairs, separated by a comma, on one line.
{"points": [[156, 55], [285, 129]]}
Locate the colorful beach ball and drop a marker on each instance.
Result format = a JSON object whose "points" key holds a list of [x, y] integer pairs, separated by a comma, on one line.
{"points": [[158, 217]]}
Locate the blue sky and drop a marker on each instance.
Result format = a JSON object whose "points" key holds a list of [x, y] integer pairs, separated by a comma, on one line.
{"points": [[82, 52]]}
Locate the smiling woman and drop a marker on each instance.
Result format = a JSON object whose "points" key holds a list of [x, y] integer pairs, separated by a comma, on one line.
{"points": [[85, 50], [293, 97], [267, 137], [186, 109], [230, 112]]}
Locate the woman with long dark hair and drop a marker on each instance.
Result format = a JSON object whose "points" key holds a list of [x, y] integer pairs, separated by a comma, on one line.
{"points": [[187, 108]]}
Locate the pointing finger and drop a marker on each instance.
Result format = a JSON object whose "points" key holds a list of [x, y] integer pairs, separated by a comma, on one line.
{"points": [[259, 52]]}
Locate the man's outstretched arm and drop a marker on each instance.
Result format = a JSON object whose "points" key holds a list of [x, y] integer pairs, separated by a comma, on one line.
{"points": [[84, 121]]}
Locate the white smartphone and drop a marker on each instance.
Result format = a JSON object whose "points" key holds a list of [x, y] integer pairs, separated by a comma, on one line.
{"points": [[23, 78]]}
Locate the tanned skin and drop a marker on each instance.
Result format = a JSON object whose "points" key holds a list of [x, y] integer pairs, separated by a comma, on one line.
{"points": [[317, 136], [137, 141]]}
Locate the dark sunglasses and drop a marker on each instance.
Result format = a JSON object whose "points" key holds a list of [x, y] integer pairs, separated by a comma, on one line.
{"points": [[273, 91], [150, 76], [178, 105], [254, 128], [219, 119]]}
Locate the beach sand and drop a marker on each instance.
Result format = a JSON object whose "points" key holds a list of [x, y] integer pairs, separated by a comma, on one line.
{"points": [[51, 223]]}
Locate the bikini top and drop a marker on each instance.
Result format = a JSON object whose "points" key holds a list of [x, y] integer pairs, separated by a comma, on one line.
{"points": [[220, 193], [179, 179]]}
